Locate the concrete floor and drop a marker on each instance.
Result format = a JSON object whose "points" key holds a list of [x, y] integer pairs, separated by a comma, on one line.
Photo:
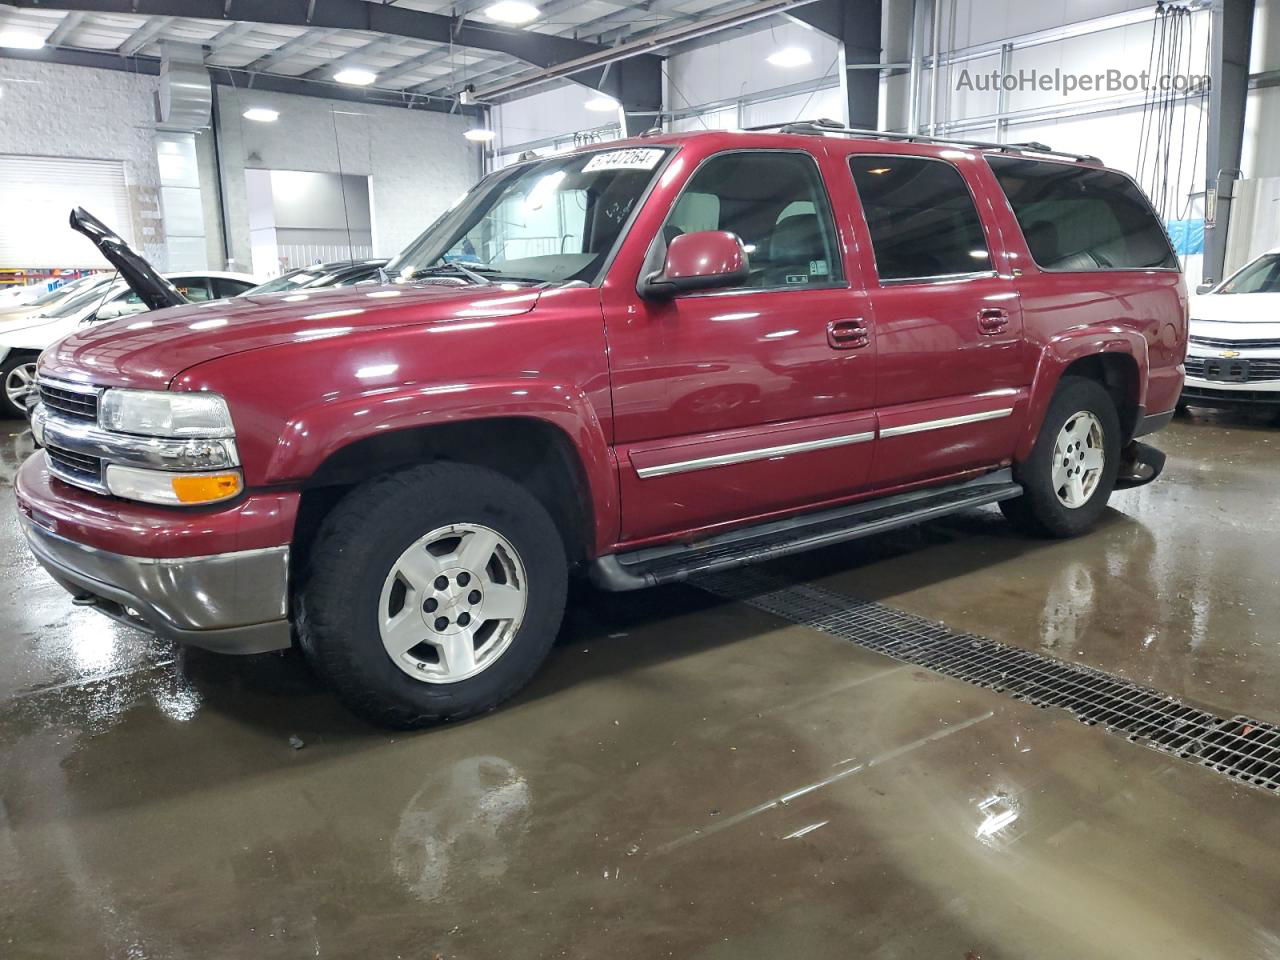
{"points": [[152, 804]]}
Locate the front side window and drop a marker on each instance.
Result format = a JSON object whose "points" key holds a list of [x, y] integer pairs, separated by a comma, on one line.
{"points": [[921, 216], [776, 204], [1261, 276], [551, 221], [1080, 219]]}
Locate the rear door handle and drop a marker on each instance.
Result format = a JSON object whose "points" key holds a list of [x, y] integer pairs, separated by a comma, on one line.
{"points": [[847, 334], [992, 320]]}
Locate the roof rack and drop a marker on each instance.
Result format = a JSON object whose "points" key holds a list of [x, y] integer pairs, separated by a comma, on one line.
{"points": [[835, 127]]}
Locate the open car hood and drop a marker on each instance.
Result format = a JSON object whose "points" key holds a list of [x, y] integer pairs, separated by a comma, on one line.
{"points": [[154, 290]]}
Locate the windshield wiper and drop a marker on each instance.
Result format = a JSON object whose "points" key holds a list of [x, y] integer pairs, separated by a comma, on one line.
{"points": [[451, 266]]}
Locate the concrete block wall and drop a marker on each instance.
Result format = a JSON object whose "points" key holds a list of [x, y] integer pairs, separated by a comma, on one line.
{"points": [[60, 111]]}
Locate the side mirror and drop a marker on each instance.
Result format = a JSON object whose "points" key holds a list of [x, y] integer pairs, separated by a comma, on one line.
{"points": [[1205, 287], [699, 261], [117, 309]]}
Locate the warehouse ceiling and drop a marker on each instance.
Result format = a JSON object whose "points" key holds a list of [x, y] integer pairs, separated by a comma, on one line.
{"points": [[405, 65]]}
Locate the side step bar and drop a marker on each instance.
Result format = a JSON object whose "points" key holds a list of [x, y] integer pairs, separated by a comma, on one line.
{"points": [[671, 562]]}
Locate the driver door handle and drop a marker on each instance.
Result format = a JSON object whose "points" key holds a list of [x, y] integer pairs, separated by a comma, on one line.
{"points": [[848, 334], [992, 320]]}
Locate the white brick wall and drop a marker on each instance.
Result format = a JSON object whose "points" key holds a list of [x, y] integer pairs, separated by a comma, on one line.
{"points": [[60, 111], [419, 161]]}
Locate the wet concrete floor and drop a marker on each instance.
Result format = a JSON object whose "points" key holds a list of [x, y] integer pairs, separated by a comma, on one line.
{"points": [[630, 802]]}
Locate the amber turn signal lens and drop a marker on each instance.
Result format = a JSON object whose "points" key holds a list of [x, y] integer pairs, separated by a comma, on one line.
{"points": [[206, 489]]}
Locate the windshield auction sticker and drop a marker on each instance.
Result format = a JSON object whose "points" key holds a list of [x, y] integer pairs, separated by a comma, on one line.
{"points": [[637, 159]]}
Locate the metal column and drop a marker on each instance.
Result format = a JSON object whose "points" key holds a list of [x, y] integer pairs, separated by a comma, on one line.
{"points": [[1232, 28]]}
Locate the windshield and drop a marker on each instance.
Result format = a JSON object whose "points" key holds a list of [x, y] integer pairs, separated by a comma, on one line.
{"points": [[1261, 276], [552, 221], [67, 289], [77, 302], [293, 280]]}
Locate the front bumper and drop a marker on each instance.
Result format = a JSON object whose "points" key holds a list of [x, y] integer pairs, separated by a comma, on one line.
{"points": [[1210, 393], [229, 603]]}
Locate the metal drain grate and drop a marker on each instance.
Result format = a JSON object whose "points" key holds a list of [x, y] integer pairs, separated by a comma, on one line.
{"points": [[1243, 749]]}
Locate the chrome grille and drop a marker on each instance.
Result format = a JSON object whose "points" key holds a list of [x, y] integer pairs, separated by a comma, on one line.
{"points": [[1267, 368], [76, 404], [77, 468], [1220, 344]]}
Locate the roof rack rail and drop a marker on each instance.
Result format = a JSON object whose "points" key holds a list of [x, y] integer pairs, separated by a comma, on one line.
{"points": [[825, 126]]}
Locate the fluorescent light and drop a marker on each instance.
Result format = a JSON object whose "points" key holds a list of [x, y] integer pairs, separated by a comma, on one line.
{"points": [[601, 104], [512, 11], [21, 40], [355, 77], [790, 57], [261, 114], [479, 135]]}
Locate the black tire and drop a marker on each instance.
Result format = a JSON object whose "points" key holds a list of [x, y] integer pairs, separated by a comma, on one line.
{"points": [[1039, 511], [8, 409], [358, 544]]}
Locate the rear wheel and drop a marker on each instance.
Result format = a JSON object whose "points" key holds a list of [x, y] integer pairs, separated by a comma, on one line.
{"points": [[1072, 469], [433, 594], [17, 383]]}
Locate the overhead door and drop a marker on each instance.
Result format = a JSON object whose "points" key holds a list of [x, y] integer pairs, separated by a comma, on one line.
{"points": [[36, 197]]}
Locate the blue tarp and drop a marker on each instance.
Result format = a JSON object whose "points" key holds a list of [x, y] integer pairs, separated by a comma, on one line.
{"points": [[1187, 236]]}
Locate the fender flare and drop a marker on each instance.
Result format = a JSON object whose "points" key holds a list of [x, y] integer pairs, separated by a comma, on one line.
{"points": [[1060, 351], [315, 433]]}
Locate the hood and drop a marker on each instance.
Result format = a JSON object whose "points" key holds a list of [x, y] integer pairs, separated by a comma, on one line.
{"points": [[154, 290], [149, 350], [1236, 307]]}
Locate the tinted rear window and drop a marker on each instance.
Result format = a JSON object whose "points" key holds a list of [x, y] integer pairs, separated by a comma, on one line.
{"points": [[1081, 219], [921, 217]]}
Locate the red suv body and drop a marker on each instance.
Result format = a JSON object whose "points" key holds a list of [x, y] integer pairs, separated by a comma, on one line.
{"points": [[775, 340]]}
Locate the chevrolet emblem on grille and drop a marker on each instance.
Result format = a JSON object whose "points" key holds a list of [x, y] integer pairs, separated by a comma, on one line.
{"points": [[1229, 354]]}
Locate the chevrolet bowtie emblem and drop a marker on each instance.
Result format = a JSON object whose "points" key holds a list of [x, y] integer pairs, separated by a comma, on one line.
{"points": [[1230, 354]]}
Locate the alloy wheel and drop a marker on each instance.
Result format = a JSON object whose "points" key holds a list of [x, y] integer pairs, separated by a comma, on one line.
{"points": [[452, 603], [20, 383], [1078, 459]]}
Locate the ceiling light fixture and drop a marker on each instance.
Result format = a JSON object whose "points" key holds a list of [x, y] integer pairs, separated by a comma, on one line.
{"points": [[790, 57], [479, 134], [21, 40], [261, 114], [601, 104], [355, 77], [512, 11]]}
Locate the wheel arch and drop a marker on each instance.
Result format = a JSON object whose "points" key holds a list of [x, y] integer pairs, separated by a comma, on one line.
{"points": [[534, 452], [1116, 357]]}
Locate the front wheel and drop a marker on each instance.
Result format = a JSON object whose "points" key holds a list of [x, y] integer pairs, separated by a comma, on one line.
{"points": [[18, 378], [433, 594], [1072, 469]]}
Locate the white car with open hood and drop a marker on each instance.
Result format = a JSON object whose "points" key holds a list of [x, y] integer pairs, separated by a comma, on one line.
{"points": [[1233, 357], [22, 340]]}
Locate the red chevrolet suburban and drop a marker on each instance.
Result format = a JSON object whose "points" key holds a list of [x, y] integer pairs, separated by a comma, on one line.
{"points": [[637, 361]]}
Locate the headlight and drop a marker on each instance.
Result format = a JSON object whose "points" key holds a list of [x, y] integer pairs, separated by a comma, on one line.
{"points": [[161, 413], [161, 486]]}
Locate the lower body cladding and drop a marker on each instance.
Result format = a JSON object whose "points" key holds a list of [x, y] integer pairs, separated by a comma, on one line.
{"points": [[228, 603]]}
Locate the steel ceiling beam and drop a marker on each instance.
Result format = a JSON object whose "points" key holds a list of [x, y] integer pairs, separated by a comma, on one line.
{"points": [[644, 45], [288, 50], [239, 78], [143, 35], [541, 49], [67, 26], [359, 56], [856, 25]]}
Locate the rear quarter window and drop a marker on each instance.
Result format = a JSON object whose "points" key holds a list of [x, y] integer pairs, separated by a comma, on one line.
{"points": [[1080, 219]]}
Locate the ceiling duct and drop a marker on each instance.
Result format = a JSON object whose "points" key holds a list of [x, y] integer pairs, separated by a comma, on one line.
{"points": [[185, 95]]}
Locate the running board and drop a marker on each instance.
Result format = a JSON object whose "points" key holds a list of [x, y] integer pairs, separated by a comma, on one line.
{"points": [[671, 562]]}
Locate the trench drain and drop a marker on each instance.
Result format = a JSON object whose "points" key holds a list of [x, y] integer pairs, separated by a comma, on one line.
{"points": [[1238, 747]]}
